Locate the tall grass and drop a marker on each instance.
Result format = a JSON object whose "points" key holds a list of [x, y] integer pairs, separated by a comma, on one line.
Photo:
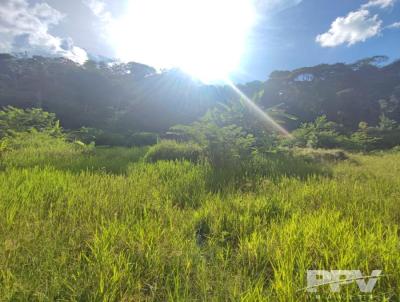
{"points": [[28, 150], [137, 231]]}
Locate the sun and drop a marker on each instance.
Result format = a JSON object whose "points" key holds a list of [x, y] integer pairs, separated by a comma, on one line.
{"points": [[205, 38]]}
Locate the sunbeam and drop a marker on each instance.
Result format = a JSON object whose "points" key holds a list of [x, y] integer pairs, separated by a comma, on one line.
{"points": [[257, 110]]}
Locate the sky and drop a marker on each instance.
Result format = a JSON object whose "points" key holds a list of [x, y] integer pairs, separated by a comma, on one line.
{"points": [[248, 38]]}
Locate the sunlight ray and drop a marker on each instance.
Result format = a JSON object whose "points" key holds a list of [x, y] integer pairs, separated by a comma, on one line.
{"points": [[257, 110]]}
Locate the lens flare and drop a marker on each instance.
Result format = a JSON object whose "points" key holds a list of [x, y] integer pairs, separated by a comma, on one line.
{"points": [[269, 121], [206, 38]]}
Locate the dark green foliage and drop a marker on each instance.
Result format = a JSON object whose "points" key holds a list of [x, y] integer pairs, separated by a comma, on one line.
{"points": [[320, 155], [362, 140], [375, 139], [226, 145], [172, 150], [385, 136], [319, 134], [84, 134], [14, 120], [346, 93], [109, 138], [122, 97], [142, 139], [325, 134], [133, 98]]}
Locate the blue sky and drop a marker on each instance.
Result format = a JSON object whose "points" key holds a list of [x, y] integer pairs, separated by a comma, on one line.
{"points": [[288, 34], [288, 40]]}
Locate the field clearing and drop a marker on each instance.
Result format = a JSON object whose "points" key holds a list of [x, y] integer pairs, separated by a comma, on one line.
{"points": [[109, 227]]}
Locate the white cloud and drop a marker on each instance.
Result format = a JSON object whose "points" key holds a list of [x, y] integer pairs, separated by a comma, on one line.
{"points": [[357, 26], [17, 17], [379, 3], [5, 46], [394, 25], [26, 28], [98, 8]]}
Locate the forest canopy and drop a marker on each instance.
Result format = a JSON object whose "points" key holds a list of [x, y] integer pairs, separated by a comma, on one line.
{"points": [[132, 97]]}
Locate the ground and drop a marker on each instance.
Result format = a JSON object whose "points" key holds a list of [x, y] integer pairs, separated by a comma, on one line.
{"points": [[105, 226]]}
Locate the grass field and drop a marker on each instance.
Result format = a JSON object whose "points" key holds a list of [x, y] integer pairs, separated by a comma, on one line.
{"points": [[106, 226]]}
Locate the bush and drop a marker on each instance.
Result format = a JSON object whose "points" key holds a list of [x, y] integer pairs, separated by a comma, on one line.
{"points": [[86, 135], [328, 135], [321, 155], [172, 150], [106, 138], [319, 134], [225, 145], [386, 136], [110, 138], [396, 149], [14, 120], [141, 139]]}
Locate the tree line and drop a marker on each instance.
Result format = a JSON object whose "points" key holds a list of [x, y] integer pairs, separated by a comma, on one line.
{"points": [[117, 102]]}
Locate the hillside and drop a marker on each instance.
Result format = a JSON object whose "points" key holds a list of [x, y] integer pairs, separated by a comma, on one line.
{"points": [[219, 208], [346, 94], [135, 97]]}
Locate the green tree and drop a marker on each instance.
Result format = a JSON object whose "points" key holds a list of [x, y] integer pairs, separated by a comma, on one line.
{"points": [[319, 134], [225, 144], [14, 120]]}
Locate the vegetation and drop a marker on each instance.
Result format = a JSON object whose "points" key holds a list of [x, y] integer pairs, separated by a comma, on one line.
{"points": [[171, 150], [73, 230], [117, 206], [14, 120], [346, 93], [325, 134], [123, 99]]}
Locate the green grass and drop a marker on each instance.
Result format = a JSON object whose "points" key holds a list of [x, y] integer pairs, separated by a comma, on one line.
{"points": [[40, 150], [105, 226]]}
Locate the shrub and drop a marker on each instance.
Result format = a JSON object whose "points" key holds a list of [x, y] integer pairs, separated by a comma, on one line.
{"points": [[396, 149], [385, 136], [110, 138], [325, 134], [106, 138], [172, 150], [319, 134], [14, 120], [86, 135], [321, 155], [141, 139], [225, 145]]}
